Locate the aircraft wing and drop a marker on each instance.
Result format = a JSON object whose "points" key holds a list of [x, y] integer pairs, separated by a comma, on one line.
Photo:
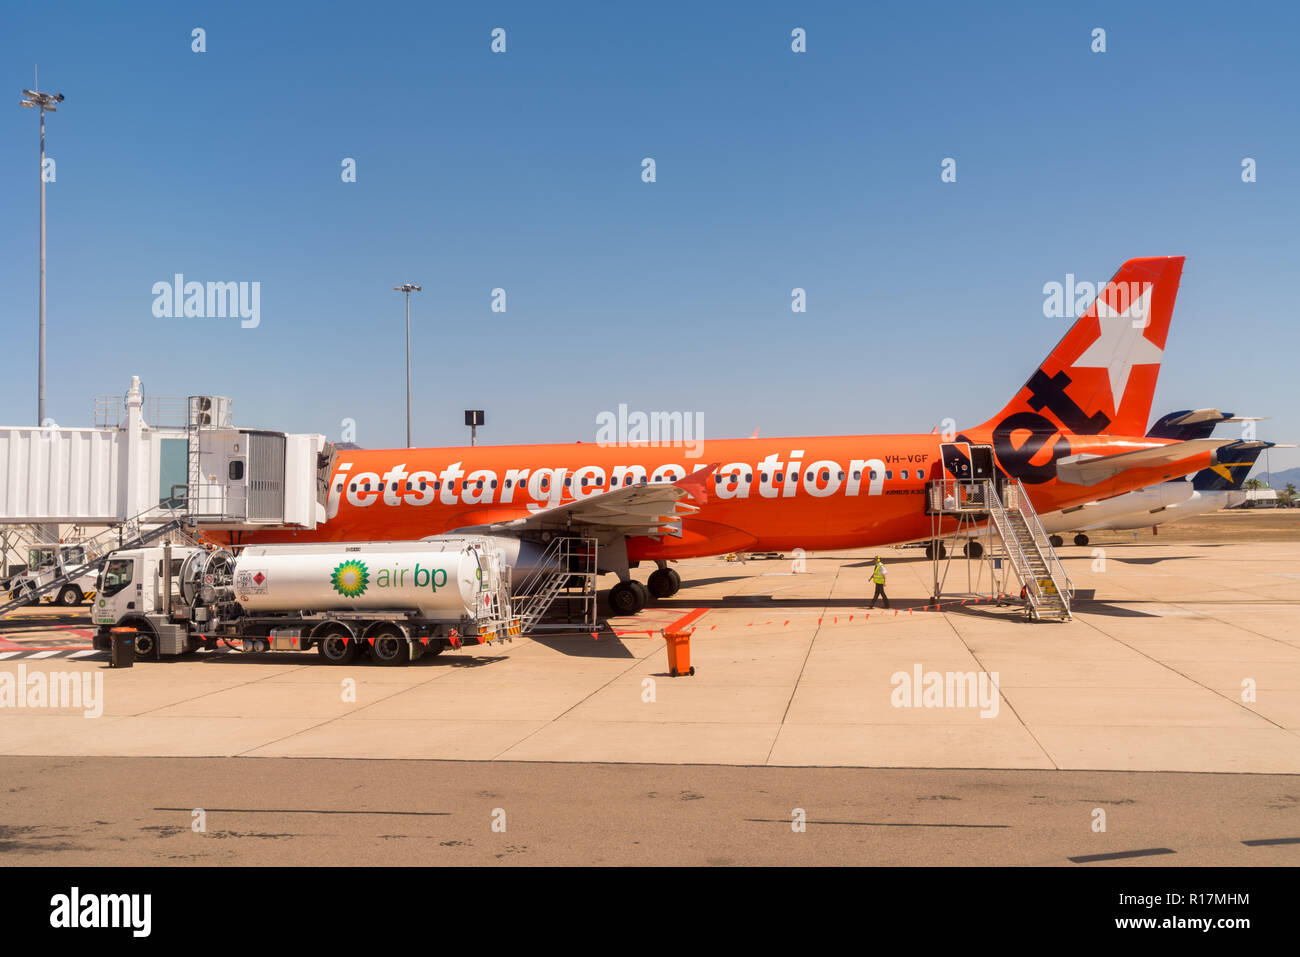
{"points": [[1088, 469], [634, 510]]}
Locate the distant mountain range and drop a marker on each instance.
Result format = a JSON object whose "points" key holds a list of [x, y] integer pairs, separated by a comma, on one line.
{"points": [[1278, 479]]}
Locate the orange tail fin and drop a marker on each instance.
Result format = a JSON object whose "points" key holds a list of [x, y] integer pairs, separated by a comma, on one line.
{"points": [[1101, 377]]}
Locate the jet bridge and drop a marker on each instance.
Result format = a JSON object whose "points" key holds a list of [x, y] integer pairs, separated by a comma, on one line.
{"points": [[150, 463]]}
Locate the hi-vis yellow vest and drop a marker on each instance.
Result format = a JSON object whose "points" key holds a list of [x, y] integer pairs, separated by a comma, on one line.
{"points": [[878, 575]]}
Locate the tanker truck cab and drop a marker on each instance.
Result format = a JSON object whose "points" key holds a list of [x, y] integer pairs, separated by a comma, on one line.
{"points": [[393, 602]]}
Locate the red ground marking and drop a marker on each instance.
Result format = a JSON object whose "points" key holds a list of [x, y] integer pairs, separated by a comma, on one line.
{"points": [[677, 625]]}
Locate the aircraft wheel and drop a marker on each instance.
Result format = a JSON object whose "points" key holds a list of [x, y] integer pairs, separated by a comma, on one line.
{"points": [[664, 583], [627, 598], [1081, 539], [973, 549], [1056, 540], [69, 595]]}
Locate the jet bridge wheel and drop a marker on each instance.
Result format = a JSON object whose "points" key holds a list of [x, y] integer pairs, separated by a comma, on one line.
{"points": [[664, 583]]}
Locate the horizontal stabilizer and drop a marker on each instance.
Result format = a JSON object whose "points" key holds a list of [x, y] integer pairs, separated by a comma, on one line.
{"points": [[1087, 469]]}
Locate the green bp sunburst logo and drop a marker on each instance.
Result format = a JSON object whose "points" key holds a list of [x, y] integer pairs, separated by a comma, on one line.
{"points": [[350, 579]]}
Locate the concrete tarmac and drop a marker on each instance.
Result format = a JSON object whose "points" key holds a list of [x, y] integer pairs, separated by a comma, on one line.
{"points": [[1183, 659], [311, 812]]}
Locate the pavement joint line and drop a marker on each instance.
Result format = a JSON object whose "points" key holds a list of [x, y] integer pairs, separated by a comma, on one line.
{"points": [[1003, 696], [803, 666], [635, 661], [349, 714], [240, 684], [1169, 667]]}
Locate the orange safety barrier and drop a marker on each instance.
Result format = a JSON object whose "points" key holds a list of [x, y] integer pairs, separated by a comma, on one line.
{"points": [[679, 652]]}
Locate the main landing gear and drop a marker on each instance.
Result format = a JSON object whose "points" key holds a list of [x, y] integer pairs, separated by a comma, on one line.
{"points": [[664, 583], [1081, 539], [630, 597]]}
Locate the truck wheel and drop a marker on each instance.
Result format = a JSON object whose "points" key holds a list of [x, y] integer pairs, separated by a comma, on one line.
{"points": [[337, 649], [69, 595], [436, 646], [390, 649], [146, 645]]}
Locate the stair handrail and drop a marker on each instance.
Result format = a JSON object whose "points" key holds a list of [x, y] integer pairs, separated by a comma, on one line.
{"points": [[1050, 558], [1015, 553]]}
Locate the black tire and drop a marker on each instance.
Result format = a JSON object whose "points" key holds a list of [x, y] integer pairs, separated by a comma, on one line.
{"points": [[664, 583], [929, 551], [643, 592], [1056, 540], [146, 643], [624, 599], [389, 648], [974, 549], [436, 646], [1081, 539], [692, 671], [69, 595], [335, 651]]}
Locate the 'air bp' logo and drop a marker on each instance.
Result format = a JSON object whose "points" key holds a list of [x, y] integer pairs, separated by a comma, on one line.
{"points": [[350, 579]]}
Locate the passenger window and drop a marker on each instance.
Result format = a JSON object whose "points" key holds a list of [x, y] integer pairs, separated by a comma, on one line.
{"points": [[857, 476], [920, 473], [904, 473], [872, 473], [889, 473]]}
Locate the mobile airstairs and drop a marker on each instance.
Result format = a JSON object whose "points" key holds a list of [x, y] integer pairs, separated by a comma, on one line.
{"points": [[566, 572], [1004, 537]]}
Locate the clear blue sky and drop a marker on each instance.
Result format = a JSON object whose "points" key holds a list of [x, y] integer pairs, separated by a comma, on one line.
{"points": [[523, 171]]}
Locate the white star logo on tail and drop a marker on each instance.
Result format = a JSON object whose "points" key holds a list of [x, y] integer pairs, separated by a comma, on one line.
{"points": [[1121, 345]]}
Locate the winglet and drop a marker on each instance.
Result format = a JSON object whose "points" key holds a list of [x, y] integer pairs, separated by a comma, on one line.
{"points": [[696, 485]]}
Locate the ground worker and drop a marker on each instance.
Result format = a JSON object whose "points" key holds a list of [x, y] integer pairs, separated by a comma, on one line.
{"points": [[878, 577]]}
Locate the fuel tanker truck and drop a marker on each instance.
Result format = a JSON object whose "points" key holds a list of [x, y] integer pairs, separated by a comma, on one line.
{"points": [[390, 601]]}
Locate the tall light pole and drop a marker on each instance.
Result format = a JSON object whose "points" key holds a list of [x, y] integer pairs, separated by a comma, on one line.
{"points": [[43, 102], [408, 288]]}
